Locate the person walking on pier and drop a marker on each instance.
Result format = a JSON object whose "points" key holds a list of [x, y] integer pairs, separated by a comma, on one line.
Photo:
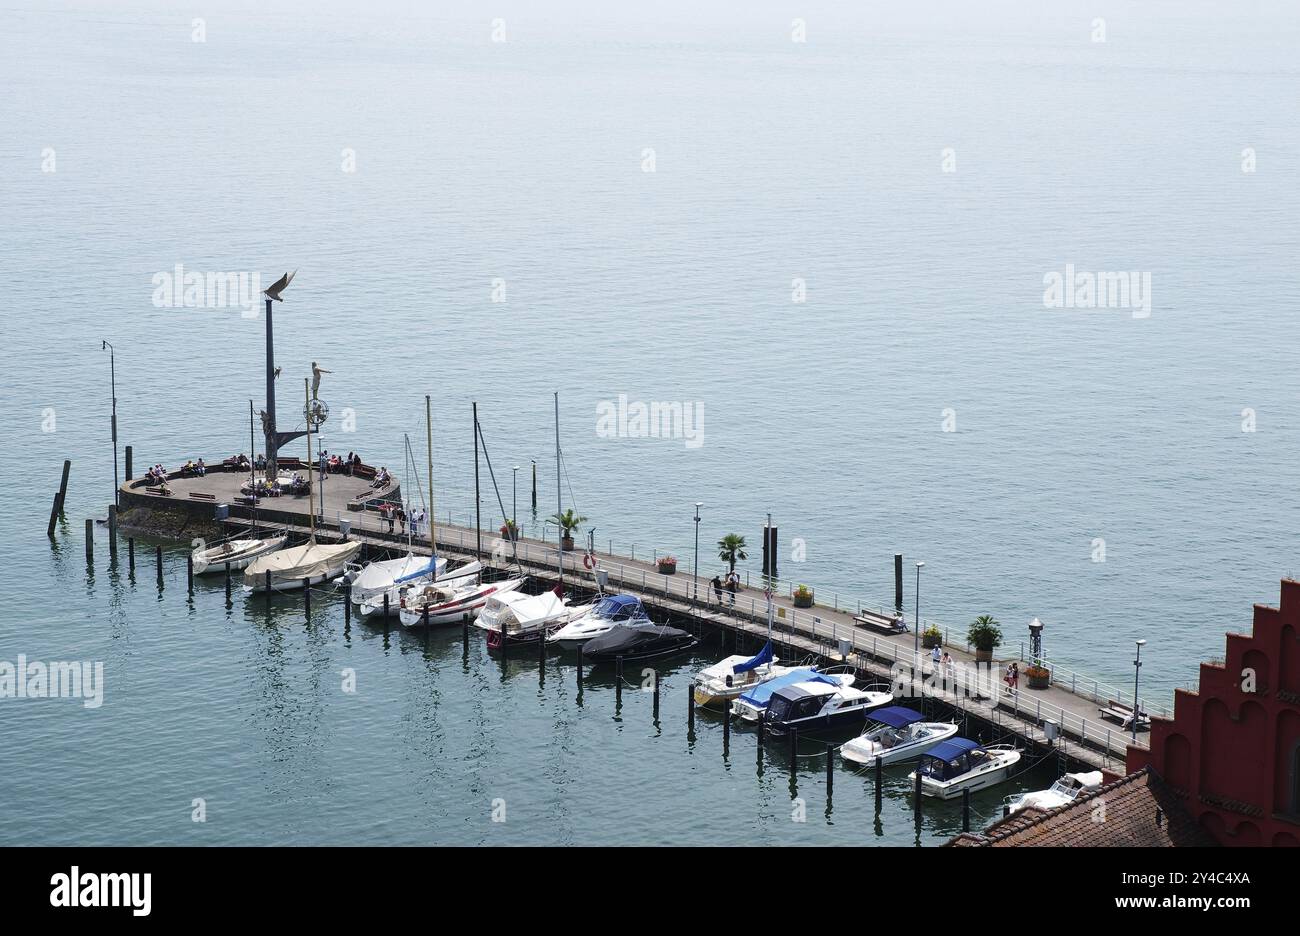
{"points": [[717, 588], [733, 583]]}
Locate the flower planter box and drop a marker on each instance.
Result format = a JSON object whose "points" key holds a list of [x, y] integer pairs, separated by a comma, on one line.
{"points": [[803, 599], [566, 544], [983, 656], [667, 568], [1039, 680], [931, 640]]}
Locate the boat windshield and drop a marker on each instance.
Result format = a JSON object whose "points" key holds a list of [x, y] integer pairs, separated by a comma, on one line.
{"points": [[618, 608], [779, 707]]}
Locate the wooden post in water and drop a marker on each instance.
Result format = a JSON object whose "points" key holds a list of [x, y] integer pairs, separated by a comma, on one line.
{"points": [[306, 595], [347, 604], [880, 769], [90, 540], [227, 584], [268, 578], [580, 669], [189, 572], [965, 810], [726, 724], [112, 529], [56, 510], [385, 600], [128, 462], [898, 581], [690, 710], [157, 552], [830, 764], [130, 554], [794, 748], [656, 672], [916, 798], [618, 680]]}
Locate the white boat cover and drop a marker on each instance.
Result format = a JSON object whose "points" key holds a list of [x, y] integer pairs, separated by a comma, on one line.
{"points": [[384, 573], [300, 562], [526, 610]]}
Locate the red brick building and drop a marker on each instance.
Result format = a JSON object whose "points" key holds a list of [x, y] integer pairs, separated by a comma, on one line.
{"points": [[1232, 750]]}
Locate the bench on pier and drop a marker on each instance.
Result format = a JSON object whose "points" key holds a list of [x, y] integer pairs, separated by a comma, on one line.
{"points": [[1124, 715], [881, 625], [198, 495], [158, 491]]}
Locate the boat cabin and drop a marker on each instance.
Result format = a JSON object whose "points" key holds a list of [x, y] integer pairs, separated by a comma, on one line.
{"points": [[619, 608], [950, 759], [894, 724]]}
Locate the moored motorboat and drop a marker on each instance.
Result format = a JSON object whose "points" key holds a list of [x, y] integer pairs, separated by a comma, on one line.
{"points": [[896, 734], [436, 604], [819, 705], [961, 764], [515, 617], [292, 568], [639, 640], [607, 614], [235, 554], [752, 703], [1063, 791], [729, 678]]}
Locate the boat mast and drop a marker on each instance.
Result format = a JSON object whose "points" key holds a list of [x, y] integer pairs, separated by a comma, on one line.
{"points": [[428, 429], [311, 498], [559, 506]]}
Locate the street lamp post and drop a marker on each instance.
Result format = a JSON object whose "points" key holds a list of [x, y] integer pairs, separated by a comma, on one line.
{"points": [[695, 568], [916, 638], [1137, 669], [112, 372]]}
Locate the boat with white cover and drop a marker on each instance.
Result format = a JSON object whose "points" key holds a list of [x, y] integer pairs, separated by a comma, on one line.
{"points": [[238, 554], [375, 578], [1065, 790], [753, 702], [436, 604], [961, 764], [609, 612], [516, 617], [296, 566], [897, 734], [729, 678]]}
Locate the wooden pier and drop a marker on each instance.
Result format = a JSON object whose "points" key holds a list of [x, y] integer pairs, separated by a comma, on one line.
{"points": [[1082, 736]]}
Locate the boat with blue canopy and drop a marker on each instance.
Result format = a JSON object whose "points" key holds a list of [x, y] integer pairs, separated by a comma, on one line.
{"points": [[896, 734], [959, 764], [609, 612], [730, 677], [753, 702]]}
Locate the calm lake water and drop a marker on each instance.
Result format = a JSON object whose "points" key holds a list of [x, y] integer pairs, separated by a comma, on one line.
{"points": [[516, 170]]}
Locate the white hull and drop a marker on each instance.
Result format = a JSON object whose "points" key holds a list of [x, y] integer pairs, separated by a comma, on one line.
{"points": [[374, 605], [238, 559], [463, 606], [981, 779], [290, 569], [863, 750]]}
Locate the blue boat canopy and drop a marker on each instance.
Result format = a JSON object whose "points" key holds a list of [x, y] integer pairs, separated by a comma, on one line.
{"points": [[763, 656], [949, 750], [618, 605], [896, 716], [429, 569], [761, 694]]}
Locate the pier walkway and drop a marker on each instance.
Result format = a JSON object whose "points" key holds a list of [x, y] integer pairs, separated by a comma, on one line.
{"points": [[1072, 702]]}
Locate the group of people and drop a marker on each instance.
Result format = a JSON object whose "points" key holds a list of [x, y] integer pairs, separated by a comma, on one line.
{"points": [[238, 462], [943, 662], [382, 478], [194, 469], [337, 464], [731, 583], [393, 513]]}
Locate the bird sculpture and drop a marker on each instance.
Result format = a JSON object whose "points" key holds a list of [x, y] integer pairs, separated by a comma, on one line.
{"points": [[273, 291]]}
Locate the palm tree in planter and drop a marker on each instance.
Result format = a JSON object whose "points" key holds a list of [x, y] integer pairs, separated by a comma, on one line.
{"points": [[931, 637], [984, 635], [730, 548], [568, 522]]}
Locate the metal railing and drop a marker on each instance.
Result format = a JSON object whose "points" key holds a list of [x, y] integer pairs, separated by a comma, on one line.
{"points": [[791, 623]]}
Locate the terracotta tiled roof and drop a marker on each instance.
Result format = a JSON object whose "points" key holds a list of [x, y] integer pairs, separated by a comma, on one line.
{"points": [[1138, 810]]}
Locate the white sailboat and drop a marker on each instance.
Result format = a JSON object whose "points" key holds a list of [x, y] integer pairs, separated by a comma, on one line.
{"points": [[449, 579], [236, 554], [379, 576], [732, 676], [435, 605]]}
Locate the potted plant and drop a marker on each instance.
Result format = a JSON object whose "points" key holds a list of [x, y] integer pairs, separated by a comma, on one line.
{"points": [[984, 635], [667, 565], [803, 597], [509, 531], [931, 637], [1038, 676], [568, 522]]}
